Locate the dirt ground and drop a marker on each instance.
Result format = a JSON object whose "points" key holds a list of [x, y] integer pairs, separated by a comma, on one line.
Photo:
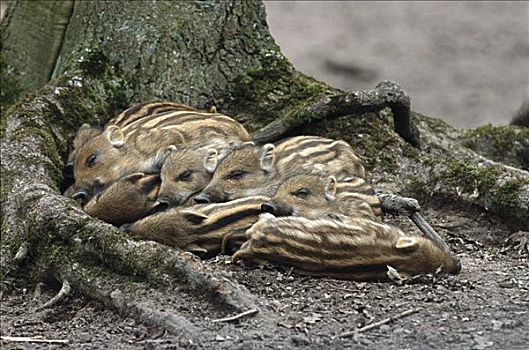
{"points": [[485, 307]]}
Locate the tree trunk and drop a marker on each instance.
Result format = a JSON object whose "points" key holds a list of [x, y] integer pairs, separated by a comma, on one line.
{"points": [[104, 56]]}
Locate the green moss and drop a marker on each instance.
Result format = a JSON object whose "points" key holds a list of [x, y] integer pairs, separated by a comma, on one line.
{"points": [[469, 177], [508, 144], [48, 148], [8, 178], [436, 124], [507, 197], [500, 136], [273, 89]]}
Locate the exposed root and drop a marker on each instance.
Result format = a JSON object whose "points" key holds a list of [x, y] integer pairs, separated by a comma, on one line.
{"points": [[63, 293], [117, 293], [385, 94], [398, 205], [166, 265], [159, 263], [410, 207], [236, 317]]}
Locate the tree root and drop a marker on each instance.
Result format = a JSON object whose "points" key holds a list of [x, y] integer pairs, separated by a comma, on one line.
{"points": [[385, 94], [159, 263], [63, 293], [410, 207], [116, 293]]}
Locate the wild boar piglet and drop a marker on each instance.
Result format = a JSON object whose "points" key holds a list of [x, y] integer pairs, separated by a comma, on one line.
{"points": [[141, 146], [201, 229], [315, 196], [127, 200], [359, 249], [250, 170]]}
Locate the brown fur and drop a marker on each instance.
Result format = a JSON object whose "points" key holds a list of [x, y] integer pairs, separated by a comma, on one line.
{"points": [[139, 111], [185, 172], [265, 168], [87, 132], [202, 228], [126, 200], [314, 196], [140, 145], [84, 134], [359, 249]]}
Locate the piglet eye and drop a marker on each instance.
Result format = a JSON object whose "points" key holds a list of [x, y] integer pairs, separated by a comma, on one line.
{"points": [[91, 161], [185, 176], [236, 175], [302, 193]]}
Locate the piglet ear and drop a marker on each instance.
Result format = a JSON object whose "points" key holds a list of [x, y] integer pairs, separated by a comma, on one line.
{"points": [[84, 134], [134, 177], [168, 151], [171, 149], [150, 184], [330, 188], [268, 157], [196, 249], [211, 160], [409, 244], [193, 217], [115, 136]]}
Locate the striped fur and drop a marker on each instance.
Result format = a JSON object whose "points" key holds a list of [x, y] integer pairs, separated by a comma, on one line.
{"points": [[139, 142], [126, 200], [263, 169], [142, 110], [87, 132], [202, 229], [314, 196], [360, 249]]}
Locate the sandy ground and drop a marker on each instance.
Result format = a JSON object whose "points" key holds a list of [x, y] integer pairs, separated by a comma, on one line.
{"points": [[465, 62]]}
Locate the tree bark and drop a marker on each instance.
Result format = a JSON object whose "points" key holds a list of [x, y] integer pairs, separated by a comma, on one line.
{"points": [[201, 53]]}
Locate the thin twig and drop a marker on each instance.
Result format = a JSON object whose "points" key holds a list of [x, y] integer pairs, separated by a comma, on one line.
{"points": [[34, 340], [236, 317], [380, 323], [65, 290]]}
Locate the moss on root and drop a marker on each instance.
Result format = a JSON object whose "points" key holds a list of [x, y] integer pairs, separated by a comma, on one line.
{"points": [[7, 180], [507, 197], [48, 148], [508, 144], [488, 185], [469, 178], [267, 92]]}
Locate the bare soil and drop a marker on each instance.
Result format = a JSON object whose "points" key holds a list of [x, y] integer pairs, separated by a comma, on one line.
{"points": [[484, 307]]}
